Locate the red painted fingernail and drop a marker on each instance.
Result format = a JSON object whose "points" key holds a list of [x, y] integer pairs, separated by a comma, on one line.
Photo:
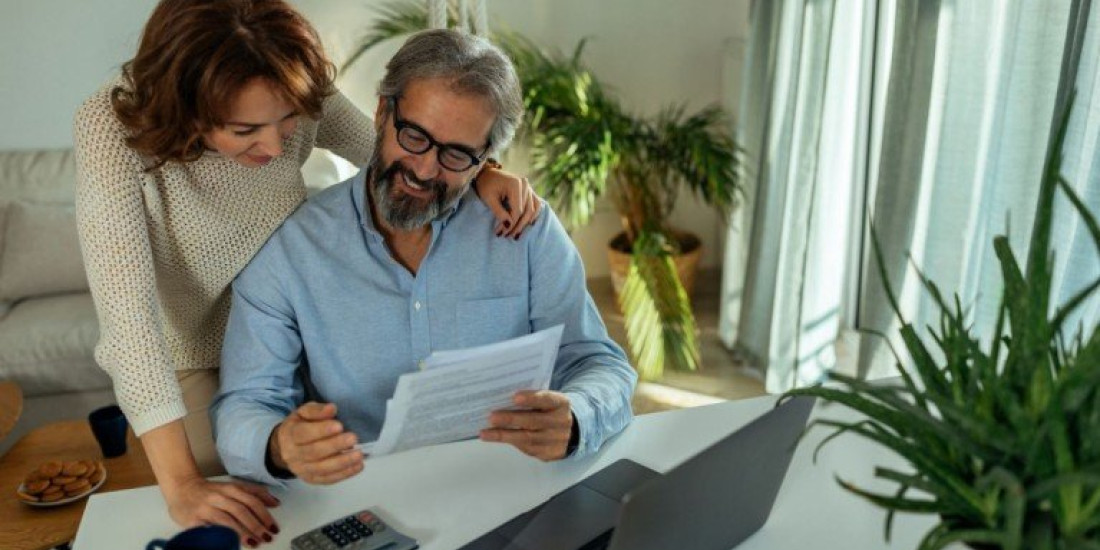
{"points": [[507, 224], [274, 528], [251, 543], [499, 233], [267, 537], [517, 235]]}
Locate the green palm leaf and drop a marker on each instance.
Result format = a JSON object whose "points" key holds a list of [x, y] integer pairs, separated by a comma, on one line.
{"points": [[660, 327], [394, 19]]}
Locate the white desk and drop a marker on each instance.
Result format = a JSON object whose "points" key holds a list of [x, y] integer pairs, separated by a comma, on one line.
{"points": [[448, 495]]}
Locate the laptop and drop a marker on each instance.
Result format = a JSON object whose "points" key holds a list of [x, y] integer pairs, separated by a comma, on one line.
{"points": [[713, 500]]}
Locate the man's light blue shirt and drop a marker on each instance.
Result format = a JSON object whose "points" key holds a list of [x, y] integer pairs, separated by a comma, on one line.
{"points": [[325, 289]]}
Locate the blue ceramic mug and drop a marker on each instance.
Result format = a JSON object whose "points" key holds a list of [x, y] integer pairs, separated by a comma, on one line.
{"points": [[109, 427], [207, 537]]}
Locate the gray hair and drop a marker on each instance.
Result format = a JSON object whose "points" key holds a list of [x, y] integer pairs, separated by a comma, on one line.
{"points": [[474, 66]]}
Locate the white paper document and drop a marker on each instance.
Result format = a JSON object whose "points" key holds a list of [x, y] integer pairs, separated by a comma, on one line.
{"points": [[451, 398]]}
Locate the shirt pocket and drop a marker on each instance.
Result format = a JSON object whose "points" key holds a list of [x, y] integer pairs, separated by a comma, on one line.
{"points": [[491, 320]]}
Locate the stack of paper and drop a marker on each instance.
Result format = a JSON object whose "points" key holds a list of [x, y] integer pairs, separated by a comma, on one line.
{"points": [[451, 398]]}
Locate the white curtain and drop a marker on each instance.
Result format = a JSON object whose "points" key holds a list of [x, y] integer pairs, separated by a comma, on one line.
{"points": [[933, 115], [941, 195], [1079, 262], [803, 79]]}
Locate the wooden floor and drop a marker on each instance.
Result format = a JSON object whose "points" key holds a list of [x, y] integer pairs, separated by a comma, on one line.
{"points": [[721, 376]]}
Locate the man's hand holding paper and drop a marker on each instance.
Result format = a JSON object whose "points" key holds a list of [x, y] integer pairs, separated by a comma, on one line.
{"points": [[455, 395], [542, 428]]}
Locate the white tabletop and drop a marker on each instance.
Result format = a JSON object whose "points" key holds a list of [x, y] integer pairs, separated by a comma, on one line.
{"points": [[448, 495]]}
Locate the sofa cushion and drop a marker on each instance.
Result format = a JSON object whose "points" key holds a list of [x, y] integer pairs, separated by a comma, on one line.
{"points": [[38, 176], [39, 251], [46, 345]]}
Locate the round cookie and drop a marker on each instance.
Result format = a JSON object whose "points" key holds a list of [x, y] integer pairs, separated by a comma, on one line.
{"points": [[27, 496], [91, 467], [63, 480], [74, 469], [77, 486], [53, 497], [37, 487], [50, 469], [52, 490]]}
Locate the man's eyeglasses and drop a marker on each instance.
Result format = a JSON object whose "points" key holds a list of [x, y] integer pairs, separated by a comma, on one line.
{"points": [[416, 140]]}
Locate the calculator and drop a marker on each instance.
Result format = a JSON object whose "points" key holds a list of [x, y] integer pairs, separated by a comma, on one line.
{"points": [[360, 531]]}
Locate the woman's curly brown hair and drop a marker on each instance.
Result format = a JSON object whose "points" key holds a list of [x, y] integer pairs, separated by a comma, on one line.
{"points": [[196, 55]]}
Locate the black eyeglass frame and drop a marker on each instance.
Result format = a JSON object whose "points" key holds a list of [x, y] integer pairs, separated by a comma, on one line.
{"points": [[401, 125]]}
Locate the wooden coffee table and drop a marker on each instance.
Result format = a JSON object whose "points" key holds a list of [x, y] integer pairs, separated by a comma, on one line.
{"points": [[27, 528], [11, 406]]}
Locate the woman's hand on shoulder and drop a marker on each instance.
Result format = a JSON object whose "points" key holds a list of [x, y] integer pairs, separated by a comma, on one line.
{"points": [[234, 504], [511, 199]]}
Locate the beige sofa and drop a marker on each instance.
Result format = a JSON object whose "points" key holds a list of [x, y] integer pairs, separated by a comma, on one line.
{"points": [[48, 325]]}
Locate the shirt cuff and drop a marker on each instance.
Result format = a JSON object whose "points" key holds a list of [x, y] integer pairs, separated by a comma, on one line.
{"points": [[156, 417], [588, 442], [244, 451]]}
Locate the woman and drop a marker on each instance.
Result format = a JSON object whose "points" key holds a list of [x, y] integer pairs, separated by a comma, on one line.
{"points": [[186, 164]]}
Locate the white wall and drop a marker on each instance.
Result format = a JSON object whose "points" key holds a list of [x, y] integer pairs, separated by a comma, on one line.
{"points": [[54, 53]]}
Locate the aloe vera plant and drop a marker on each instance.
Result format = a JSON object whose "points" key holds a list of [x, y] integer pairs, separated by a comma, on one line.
{"points": [[1003, 439]]}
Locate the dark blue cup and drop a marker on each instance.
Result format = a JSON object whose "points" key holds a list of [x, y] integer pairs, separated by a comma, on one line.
{"points": [[207, 537], [109, 427]]}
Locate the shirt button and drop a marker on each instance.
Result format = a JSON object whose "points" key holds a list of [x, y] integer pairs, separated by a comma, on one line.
{"points": [[417, 306]]}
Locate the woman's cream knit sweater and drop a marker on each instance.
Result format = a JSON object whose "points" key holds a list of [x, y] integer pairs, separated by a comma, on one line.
{"points": [[162, 247]]}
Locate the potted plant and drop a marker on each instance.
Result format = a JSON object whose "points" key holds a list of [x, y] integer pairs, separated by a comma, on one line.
{"points": [[585, 145], [1002, 438]]}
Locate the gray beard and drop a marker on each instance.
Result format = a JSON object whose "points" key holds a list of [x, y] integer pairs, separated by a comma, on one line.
{"points": [[404, 212]]}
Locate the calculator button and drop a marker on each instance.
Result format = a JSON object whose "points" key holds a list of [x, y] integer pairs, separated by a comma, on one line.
{"points": [[363, 530]]}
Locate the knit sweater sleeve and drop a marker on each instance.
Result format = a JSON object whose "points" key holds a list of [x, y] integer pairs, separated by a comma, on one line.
{"points": [[345, 130], [118, 258]]}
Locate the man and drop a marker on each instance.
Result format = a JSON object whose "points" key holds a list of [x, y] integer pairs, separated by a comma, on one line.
{"points": [[371, 276]]}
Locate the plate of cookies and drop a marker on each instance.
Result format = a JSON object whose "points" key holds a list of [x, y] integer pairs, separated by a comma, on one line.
{"points": [[60, 482]]}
